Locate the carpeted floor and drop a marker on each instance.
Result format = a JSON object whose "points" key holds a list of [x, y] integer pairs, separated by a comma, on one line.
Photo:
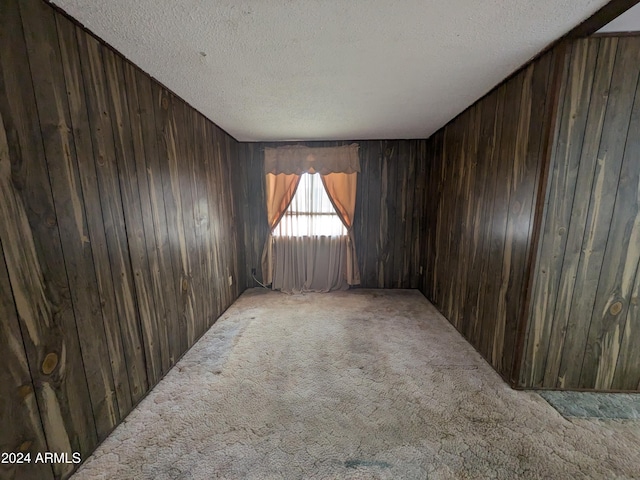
{"points": [[363, 384]]}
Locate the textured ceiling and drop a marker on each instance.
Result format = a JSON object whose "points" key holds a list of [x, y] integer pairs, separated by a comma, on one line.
{"points": [[329, 69]]}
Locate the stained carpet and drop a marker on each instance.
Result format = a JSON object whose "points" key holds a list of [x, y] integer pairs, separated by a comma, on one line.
{"points": [[595, 405], [363, 384]]}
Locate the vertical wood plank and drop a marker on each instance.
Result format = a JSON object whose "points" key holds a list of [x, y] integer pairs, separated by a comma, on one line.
{"points": [[59, 147], [31, 243], [89, 182], [479, 213], [627, 374], [203, 220], [500, 247], [526, 166], [607, 171], [398, 187], [418, 211], [533, 347], [559, 61], [467, 172], [216, 187], [139, 289], [21, 424], [581, 123], [142, 243], [167, 153], [389, 168], [377, 219], [487, 302], [593, 201], [230, 216], [409, 208], [163, 275], [182, 184], [622, 252], [99, 111]]}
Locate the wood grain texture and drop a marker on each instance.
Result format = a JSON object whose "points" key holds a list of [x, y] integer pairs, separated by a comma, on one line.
{"points": [[82, 138], [584, 307], [55, 124], [167, 152], [21, 424], [31, 242], [119, 227], [483, 170], [150, 181], [111, 200]]}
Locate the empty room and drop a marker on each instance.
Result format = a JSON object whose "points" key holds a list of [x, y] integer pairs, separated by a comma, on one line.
{"points": [[333, 240]]}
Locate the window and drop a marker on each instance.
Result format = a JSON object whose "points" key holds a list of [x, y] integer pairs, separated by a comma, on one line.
{"points": [[310, 213]]}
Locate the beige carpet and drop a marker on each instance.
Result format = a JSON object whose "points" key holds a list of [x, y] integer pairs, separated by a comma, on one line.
{"points": [[363, 384]]}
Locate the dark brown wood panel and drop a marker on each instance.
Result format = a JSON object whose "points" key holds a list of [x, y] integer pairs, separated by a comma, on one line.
{"points": [[119, 233], [167, 152], [89, 181], [106, 159], [584, 306], [483, 171], [32, 245], [559, 232], [55, 124], [22, 429], [148, 281], [163, 275]]}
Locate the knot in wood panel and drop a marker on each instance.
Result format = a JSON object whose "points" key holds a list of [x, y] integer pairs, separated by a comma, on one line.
{"points": [[165, 103], [50, 363], [25, 446], [615, 309], [517, 207]]}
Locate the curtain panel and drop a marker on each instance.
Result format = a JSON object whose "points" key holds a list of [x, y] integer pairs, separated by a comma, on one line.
{"points": [[309, 264], [338, 167]]}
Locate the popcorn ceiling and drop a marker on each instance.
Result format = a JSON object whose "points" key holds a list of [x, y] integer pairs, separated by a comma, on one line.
{"points": [[332, 69]]}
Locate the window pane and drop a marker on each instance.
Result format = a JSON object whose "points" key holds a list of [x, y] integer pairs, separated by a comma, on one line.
{"points": [[311, 213]]}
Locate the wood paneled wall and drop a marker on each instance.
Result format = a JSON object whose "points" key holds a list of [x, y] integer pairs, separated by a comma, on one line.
{"points": [[389, 220], [483, 172], [118, 234], [585, 318]]}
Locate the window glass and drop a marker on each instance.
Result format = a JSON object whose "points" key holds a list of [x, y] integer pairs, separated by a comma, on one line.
{"points": [[311, 213]]}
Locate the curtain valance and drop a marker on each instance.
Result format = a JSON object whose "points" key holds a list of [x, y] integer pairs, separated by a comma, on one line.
{"points": [[298, 159]]}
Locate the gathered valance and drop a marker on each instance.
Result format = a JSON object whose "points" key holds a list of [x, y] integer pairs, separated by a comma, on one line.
{"points": [[298, 159]]}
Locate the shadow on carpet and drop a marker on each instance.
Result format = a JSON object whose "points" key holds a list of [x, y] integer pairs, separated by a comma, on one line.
{"points": [[594, 405]]}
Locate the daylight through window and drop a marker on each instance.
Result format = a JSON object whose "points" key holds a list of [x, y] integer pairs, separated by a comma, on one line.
{"points": [[310, 212]]}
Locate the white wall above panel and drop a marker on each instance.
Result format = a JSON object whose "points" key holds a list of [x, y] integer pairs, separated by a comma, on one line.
{"points": [[629, 21]]}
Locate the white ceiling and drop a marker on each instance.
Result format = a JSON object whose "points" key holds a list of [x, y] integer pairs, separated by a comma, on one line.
{"points": [[629, 21], [330, 69]]}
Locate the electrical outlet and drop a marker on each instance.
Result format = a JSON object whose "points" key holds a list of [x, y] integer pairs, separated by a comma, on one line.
{"points": [[253, 270], [230, 280]]}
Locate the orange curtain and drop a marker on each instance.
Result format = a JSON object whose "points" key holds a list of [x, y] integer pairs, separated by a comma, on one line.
{"points": [[280, 190], [338, 167], [341, 188]]}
